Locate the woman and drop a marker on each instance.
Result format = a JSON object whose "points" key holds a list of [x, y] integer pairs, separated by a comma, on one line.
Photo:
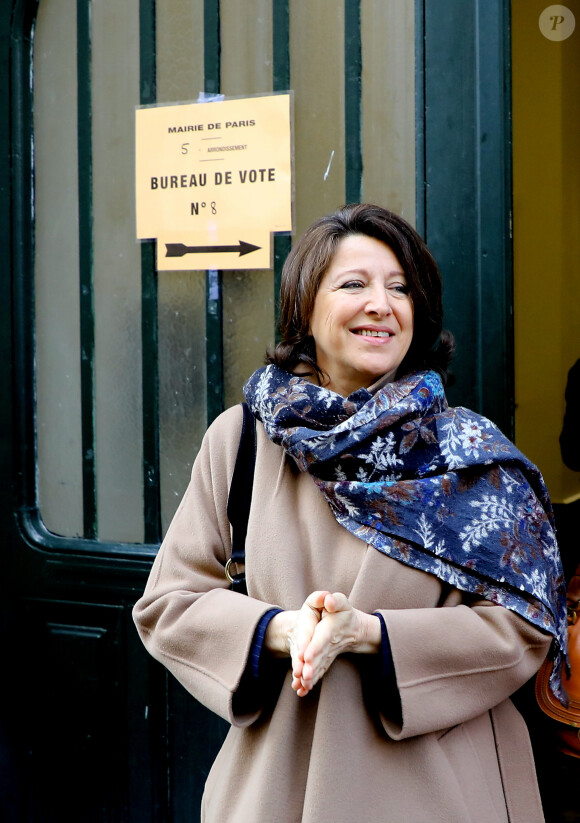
{"points": [[569, 438], [568, 514], [403, 578]]}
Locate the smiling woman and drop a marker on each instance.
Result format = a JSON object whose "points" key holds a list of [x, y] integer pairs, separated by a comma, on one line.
{"points": [[362, 322], [361, 268], [400, 563]]}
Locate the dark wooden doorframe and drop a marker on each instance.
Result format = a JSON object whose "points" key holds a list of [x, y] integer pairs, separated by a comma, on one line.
{"points": [[465, 191]]}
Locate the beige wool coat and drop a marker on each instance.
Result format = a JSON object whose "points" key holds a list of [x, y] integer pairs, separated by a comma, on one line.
{"points": [[339, 755]]}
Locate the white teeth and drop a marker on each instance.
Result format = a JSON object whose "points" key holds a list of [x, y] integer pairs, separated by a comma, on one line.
{"points": [[373, 333]]}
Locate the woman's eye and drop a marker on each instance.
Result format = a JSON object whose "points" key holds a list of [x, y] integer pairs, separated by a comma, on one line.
{"points": [[352, 284], [400, 288]]}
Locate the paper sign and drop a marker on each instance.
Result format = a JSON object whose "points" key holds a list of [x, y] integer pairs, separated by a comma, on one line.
{"points": [[214, 180]]}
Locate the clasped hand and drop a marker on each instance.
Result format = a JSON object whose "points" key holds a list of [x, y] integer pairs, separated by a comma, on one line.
{"points": [[314, 635]]}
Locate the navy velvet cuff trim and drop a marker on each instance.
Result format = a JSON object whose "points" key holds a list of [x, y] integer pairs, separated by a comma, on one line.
{"points": [[387, 669], [389, 690], [258, 642]]}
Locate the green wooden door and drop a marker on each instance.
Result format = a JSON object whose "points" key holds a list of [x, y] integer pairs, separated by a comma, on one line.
{"points": [[111, 372]]}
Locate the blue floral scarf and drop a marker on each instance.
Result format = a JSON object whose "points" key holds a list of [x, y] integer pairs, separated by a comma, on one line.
{"points": [[437, 488]]}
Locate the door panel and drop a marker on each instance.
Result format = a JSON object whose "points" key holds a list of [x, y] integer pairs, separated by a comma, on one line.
{"points": [[76, 718]]}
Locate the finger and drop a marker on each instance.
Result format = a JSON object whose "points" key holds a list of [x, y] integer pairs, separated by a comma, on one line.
{"points": [[301, 688], [336, 602], [306, 620], [317, 665], [296, 683], [302, 634], [297, 662], [316, 600], [308, 674], [297, 668], [312, 674]]}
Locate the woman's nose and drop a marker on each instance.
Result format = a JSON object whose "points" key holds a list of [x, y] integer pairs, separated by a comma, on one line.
{"points": [[378, 302]]}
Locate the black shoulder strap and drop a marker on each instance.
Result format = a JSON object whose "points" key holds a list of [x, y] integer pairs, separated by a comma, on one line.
{"points": [[240, 495]]}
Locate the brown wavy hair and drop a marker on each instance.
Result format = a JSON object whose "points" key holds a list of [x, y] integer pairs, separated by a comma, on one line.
{"points": [[310, 257]]}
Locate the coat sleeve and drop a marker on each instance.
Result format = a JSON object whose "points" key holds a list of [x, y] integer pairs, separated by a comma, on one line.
{"points": [[453, 664], [188, 618]]}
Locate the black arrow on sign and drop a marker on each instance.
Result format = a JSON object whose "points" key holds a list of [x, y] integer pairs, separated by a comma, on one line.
{"points": [[179, 249]]}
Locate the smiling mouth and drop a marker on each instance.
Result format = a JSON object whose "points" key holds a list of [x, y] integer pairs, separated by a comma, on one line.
{"points": [[372, 333]]}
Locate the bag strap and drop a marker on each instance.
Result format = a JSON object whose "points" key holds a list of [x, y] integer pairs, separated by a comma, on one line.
{"points": [[240, 497]]}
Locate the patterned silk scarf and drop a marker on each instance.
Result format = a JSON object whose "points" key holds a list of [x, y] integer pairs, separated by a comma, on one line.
{"points": [[437, 488]]}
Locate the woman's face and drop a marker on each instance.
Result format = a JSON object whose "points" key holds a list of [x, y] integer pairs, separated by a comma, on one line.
{"points": [[362, 321]]}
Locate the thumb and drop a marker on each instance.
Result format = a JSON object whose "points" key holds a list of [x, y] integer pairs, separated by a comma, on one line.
{"points": [[316, 600], [336, 602]]}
